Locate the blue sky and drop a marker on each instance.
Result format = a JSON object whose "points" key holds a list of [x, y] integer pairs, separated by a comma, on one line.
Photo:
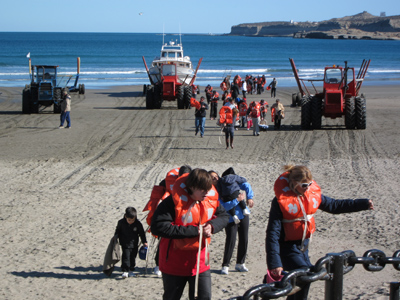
{"points": [[175, 16]]}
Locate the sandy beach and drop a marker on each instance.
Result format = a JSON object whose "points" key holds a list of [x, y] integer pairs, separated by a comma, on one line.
{"points": [[63, 190]]}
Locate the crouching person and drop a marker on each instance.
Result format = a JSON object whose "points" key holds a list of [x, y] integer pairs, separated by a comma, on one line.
{"points": [[185, 221]]}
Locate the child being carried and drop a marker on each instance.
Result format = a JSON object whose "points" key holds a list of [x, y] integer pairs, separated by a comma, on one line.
{"points": [[228, 188]]}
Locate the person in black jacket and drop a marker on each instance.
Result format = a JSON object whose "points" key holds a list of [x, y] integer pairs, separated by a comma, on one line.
{"points": [[200, 115], [129, 229], [297, 197]]}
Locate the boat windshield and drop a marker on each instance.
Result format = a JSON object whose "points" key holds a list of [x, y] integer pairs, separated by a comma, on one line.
{"points": [[168, 70], [333, 76]]}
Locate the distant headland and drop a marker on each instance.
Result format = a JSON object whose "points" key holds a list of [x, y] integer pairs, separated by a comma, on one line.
{"points": [[359, 26]]}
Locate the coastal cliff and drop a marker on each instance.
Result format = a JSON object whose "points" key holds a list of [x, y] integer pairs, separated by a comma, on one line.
{"points": [[359, 26]]}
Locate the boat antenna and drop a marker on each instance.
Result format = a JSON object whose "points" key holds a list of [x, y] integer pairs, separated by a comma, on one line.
{"points": [[180, 34], [163, 33]]}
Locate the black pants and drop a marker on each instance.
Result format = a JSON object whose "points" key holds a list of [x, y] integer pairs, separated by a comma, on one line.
{"points": [[273, 92], [243, 230], [213, 110], [174, 286], [128, 261]]}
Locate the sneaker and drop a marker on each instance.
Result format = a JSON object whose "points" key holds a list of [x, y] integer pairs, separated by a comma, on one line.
{"points": [[241, 268], [60, 127], [131, 274], [157, 271], [225, 270], [68, 127], [236, 219], [125, 275], [246, 211]]}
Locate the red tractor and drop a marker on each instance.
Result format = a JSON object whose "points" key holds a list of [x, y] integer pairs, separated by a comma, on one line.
{"points": [[340, 97], [170, 85]]}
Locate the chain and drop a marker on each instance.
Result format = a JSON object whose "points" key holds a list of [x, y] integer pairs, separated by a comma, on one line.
{"points": [[372, 261]]}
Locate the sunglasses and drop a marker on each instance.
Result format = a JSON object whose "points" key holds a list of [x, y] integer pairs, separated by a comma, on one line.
{"points": [[305, 185]]}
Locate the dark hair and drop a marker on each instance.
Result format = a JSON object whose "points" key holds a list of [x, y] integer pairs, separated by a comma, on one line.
{"points": [[130, 212], [184, 169], [228, 171], [198, 179]]}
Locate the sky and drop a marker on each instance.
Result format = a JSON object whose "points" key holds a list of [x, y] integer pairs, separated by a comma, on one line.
{"points": [[190, 16]]}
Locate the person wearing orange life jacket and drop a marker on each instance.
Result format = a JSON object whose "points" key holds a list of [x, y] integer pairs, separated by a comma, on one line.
{"points": [[254, 113], [191, 211], [228, 114], [263, 109], [208, 90], [159, 193], [291, 220], [214, 105], [243, 111]]}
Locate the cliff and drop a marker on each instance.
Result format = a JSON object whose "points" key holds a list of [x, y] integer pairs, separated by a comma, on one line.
{"points": [[360, 26]]}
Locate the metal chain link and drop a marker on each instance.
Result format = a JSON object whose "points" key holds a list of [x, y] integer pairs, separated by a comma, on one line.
{"points": [[373, 261]]}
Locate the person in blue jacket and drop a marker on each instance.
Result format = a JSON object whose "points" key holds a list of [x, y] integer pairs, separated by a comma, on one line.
{"points": [[297, 198], [240, 227]]}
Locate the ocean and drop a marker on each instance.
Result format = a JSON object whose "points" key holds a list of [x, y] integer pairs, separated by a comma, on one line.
{"points": [[109, 59]]}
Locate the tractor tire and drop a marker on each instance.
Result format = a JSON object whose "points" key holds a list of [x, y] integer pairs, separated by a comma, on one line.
{"points": [[26, 101], [180, 97], [144, 89], [306, 113], [57, 101], [150, 97], [157, 97], [316, 112], [361, 113], [350, 114], [34, 100], [294, 100], [187, 96], [299, 96], [81, 89]]}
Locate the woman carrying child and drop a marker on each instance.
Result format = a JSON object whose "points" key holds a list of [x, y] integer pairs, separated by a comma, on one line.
{"points": [[234, 204]]}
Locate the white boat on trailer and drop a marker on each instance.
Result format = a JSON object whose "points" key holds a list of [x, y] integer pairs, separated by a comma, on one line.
{"points": [[172, 53]]}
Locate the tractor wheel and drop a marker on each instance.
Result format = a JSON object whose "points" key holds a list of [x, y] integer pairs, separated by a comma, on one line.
{"points": [[316, 112], [299, 96], [144, 89], [305, 113], [294, 100], [26, 101], [150, 97], [81, 89], [187, 96], [361, 113], [180, 97], [34, 100], [350, 113], [57, 101], [157, 97]]}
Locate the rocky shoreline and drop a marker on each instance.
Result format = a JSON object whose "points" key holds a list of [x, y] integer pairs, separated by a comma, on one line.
{"points": [[359, 26]]}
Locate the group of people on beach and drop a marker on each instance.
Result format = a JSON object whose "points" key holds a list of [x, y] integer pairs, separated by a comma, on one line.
{"points": [[235, 111], [191, 205]]}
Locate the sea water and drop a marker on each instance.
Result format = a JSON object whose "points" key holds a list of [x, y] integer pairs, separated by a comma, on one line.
{"points": [[109, 59]]}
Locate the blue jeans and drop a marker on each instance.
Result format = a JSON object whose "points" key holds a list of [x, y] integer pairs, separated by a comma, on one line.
{"points": [[65, 116], [200, 123]]}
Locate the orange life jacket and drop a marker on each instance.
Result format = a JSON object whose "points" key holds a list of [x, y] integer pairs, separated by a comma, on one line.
{"points": [[263, 107], [190, 212], [194, 103], [243, 109], [170, 179], [225, 115], [273, 114], [298, 211], [223, 86], [158, 194], [255, 110]]}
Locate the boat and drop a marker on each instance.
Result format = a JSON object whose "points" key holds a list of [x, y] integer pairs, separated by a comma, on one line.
{"points": [[172, 53]]}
